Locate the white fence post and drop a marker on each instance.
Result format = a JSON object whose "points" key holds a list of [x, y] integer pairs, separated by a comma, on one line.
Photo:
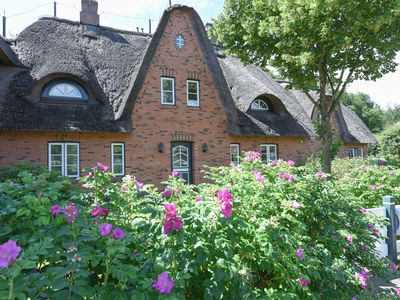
{"points": [[390, 205]]}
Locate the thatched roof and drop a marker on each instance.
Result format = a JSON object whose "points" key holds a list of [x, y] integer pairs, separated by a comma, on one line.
{"points": [[246, 83], [7, 55], [352, 129]]}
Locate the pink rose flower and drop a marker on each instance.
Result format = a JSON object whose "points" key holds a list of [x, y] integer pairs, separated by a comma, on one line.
{"points": [[362, 210], [198, 199], [124, 188], [393, 266], [172, 223], [170, 209], [259, 176], [118, 234], [286, 176], [225, 195], [252, 156], [55, 210], [105, 229], [164, 284], [300, 253], [9, 252], [167, 192], [349, 239], [72, 212], [290, 163], [321, 175], [373, 187], [296, 204], [303, 282], [175, 173], [138, 185], [102, 167], [398, 292], [226, 209], [362, 278]]}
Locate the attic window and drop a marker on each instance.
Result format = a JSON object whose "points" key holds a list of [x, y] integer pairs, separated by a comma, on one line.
{"points": [[67, 90], [259, 105]]}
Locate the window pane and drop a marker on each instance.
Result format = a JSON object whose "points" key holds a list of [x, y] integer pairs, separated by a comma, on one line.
{"points": [[57, 169], [56, 160], [192, 97], [118, 169], [192, 87], [72, 170], [72, 160], [117, 160], [117, 149], [272, 153], [168, 97], [72, 149], [167, 84], [56, 149]]}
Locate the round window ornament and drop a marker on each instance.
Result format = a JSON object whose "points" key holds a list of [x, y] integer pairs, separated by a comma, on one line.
{"points": [[180, 42]]}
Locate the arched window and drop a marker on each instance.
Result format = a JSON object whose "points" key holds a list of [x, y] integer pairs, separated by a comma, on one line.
{"points": [[260, 105], [64, 90]]}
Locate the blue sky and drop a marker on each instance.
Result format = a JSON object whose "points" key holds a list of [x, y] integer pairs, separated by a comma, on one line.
{"points": [[129, 14]]}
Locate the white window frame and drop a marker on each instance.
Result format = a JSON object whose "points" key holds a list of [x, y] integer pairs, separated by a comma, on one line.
{"points": [[64, 154], [162, 90], [191, 102], [259, 103], [237, 150], [268, 152], [123, 158], [352, 152]]}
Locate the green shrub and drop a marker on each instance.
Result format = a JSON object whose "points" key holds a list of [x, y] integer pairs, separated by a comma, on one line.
{"points": [[255, 231], [10, 172]]}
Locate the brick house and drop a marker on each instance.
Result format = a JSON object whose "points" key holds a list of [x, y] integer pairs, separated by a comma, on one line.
{"points": [[74, 93]]}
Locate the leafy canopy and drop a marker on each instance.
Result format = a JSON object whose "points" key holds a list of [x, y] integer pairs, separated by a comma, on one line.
{"points": [[358, 39]]}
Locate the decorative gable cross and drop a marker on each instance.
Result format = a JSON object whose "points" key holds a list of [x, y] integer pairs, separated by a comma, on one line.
{"points": [[180, 41]]}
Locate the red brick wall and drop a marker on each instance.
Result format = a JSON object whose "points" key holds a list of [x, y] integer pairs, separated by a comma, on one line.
{"points": [[154, 123]]}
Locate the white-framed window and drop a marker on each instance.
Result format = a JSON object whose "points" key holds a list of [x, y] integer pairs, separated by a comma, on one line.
{"points": [[193, 93], [259, 104], [268, 152], [235, 153], [64, 158], [355, 152], [167, 91], [118, 158], [65, 90]]}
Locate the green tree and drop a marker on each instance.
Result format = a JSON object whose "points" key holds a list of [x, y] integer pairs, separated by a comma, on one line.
{"points": [[392, 115], [389, 143], [368, 111], [318, 45]]}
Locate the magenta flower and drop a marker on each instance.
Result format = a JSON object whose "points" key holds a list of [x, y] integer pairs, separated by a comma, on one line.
{"points": [[9, 252], [104, 212], [373, 187], [369, 226], [290, 163], [170, 209], [138, 184], [102, 167], [225, 195], [95, 211], [252, 156], [172, 223], [364, 248], [296, 204], [354, 298], [163, 284], [226, 209], [175, 173], [118, 234], [198, 199], [259, 176], [349, 239], [55, 210], [300, 253], [321, 175], [362, 210], [72, 212], [393, 266], [398, 292], [303, 282], [361, 278], [168, 192], [105, 229], [286, 176]]}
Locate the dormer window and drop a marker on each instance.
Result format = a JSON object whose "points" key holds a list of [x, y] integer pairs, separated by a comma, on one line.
{"points": [[66, 90], [259, 105]]}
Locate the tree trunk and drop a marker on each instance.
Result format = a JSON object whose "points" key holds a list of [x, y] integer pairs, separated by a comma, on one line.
{"points": [[326, 139]]}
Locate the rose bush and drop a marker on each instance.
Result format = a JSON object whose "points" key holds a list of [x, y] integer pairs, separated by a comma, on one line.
{"points": [[253, 231]]}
